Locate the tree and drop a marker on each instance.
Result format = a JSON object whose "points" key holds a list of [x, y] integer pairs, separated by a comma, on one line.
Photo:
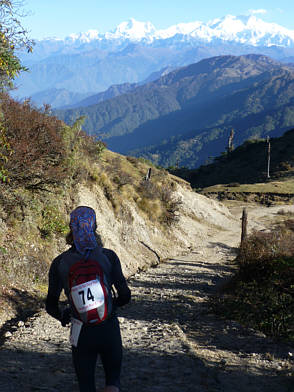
{"points": [[12, 38]]}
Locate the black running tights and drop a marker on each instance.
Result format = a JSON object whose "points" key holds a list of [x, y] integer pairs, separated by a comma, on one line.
{"points": [[103, 340]]}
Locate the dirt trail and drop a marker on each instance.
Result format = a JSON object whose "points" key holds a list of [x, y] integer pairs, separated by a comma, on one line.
{"points": [[171, 341]]}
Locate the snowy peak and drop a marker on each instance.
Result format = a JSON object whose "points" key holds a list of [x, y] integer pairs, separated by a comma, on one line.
{"points": [[181, 29], [248, 30], [133, 30], [89, 36]]}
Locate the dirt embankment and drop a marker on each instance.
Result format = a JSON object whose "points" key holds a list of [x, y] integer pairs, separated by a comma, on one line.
{"points": [[140, 242]]}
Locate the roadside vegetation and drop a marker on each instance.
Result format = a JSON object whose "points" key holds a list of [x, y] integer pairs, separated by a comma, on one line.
{"points": [[43, 162], [261, 293]]}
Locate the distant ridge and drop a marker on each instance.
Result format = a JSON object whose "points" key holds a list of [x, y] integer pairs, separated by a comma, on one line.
{"points": [[185, 116], [116, 90]]}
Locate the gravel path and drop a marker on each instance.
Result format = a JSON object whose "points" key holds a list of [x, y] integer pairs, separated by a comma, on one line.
{"points": [[171, 341]]}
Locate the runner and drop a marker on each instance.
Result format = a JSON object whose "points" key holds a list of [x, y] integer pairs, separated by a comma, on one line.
{"points": [[90, 335]]}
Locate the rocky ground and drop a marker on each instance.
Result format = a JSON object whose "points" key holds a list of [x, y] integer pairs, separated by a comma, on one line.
{"points": [[172, 343]]}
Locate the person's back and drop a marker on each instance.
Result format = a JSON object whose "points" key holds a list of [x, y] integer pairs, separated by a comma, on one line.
{"points": [[102, 335]]}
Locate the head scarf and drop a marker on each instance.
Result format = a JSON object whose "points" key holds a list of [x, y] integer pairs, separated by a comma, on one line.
{"points": [[83, 226]]}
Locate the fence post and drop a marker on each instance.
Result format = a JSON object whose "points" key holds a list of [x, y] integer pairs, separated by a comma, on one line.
{"points": [[148, 175], [244, 226], [230, 141], [268, 156]]}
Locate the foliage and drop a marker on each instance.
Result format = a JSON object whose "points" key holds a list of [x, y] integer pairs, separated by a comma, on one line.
{"points": [[52, 222], [12, 38], [38, 151], [261, 294], [5, 152], [169, 205], [79, 149], [260, 252], [34, 147]]}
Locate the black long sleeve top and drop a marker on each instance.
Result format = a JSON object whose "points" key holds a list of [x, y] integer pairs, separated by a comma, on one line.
{"points": [[58, 277]]}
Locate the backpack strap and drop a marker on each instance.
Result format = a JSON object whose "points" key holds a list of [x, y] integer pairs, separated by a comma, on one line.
{"points": [[87, 255]]}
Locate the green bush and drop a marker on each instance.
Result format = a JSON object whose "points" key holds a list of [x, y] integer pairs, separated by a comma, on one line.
{"points": [[52, 223]]}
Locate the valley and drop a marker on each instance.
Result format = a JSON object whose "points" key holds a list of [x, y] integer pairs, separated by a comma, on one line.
{"points": [[185, 117]]}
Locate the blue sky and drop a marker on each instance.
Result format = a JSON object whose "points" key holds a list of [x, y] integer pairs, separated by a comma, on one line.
{"points": [[60, 18]]}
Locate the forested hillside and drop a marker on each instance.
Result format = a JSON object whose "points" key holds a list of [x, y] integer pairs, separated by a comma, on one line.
{"points": [[186, 116], [247, 163]]}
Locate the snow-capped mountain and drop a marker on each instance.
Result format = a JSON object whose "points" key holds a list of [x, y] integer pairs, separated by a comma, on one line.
{"points": [[248, 30], [91, 62]]}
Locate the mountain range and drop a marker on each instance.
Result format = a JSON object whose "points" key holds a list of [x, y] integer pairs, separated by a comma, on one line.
{"points": [[186, 115], [89, 63]]}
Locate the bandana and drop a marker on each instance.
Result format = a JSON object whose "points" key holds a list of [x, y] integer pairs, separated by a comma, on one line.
{"points": [[83, 226]]}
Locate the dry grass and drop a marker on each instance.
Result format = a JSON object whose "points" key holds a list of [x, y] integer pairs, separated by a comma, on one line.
{"points": [[283, 187], [261, 294], [123, 178]]}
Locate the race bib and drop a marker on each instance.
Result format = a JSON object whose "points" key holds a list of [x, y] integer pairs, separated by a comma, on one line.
{"points": [[75, 330], [87, 296]]}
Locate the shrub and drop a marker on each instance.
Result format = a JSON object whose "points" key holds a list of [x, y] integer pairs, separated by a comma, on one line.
{"points": [[284, 166], [171, 205], [170, 214], [36, 148], [123, 178], [132, 160], [261, 293], [151, 208], [81, 151], [52, 222], [149, 190], [5, 152], [260, 250], [233, 184], [289, 224], [159, 194]]}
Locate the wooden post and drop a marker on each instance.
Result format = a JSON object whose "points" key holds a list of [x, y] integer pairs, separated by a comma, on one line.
{"points": [[268, 156], [230, 141], [244, 225], [148, 175]]}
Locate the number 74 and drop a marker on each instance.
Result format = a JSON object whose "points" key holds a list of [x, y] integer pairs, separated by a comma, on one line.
{"points": [[90, 296]]}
